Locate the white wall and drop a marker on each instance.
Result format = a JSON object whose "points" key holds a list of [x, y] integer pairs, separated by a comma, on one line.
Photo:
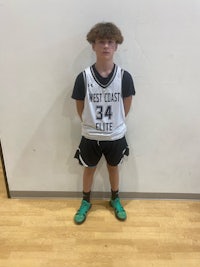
{"points": [[43, 48]]}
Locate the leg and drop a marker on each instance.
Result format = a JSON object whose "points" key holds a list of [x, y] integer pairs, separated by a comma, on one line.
{"points": [[120, 213], [88, 154], [114, 177], [88, 175], [81, 214]]}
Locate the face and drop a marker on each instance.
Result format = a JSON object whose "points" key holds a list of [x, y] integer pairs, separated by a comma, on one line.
{"points": [[104, 48]]}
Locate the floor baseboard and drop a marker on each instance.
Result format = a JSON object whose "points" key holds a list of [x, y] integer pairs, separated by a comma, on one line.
{"points": [[95, 194]]}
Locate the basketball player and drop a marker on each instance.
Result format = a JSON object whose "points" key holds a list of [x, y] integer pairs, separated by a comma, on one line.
{"points": [[103, 94]]}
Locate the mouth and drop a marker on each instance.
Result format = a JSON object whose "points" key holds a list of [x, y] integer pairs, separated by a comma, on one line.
{"points": [[106, 52]]}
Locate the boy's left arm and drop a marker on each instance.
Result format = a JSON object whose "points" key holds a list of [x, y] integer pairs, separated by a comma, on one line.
{"points": [[127, 104]]}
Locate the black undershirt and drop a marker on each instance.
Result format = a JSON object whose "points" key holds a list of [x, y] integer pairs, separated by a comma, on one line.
{"points": [[127, 84]]}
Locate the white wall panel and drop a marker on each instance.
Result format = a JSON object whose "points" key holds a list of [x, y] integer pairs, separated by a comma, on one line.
{"points": [[43, 48]]}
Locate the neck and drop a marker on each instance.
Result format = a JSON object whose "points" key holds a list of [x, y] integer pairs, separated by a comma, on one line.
{"points": [[104, 68]]}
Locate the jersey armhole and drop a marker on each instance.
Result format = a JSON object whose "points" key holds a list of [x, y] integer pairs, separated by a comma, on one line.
{"points": [[122, 74], [85, 82]]}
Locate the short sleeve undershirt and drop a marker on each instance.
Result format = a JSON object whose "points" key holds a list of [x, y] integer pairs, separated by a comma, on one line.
{"points": [[128, 88]]}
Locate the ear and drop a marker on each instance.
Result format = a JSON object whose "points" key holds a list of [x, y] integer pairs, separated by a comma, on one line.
{"points": [[116, 46]]}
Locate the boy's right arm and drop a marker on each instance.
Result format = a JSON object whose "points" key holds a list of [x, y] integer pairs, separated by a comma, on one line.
{"points": [[80, 107]]}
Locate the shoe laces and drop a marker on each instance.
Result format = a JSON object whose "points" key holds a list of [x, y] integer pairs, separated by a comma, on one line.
{"points": [[83, 208], [118, 205]]}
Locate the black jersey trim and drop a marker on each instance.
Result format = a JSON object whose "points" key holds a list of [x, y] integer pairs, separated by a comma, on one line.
{"points": [[122, 74], [85, 82], [97, 80]]}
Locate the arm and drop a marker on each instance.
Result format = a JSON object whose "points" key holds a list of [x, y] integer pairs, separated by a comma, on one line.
{"points": [[80, 107], [127, 104], [128, 91]]}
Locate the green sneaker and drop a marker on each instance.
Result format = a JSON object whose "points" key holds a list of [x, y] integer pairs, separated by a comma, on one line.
{"points": [[80, 216], [120, 213]]}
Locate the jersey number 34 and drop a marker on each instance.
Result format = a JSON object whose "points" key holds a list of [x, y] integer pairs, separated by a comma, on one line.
{"points": [[101, 112]]}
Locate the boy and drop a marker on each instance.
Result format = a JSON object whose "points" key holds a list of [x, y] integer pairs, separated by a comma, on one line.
{"points": [[103, 94]]}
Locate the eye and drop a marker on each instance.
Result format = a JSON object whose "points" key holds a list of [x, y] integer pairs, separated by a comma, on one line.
{"points": [[111, 42]]}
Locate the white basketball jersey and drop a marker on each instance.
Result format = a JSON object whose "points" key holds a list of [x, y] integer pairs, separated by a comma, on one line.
{"points": [[103, 115]]}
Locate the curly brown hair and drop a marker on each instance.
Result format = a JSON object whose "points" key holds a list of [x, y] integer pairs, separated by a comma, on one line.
{"points": [[105, 30]]}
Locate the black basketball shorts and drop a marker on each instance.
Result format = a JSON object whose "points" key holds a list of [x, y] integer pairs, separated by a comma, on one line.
{"points": [[90, 152]]}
